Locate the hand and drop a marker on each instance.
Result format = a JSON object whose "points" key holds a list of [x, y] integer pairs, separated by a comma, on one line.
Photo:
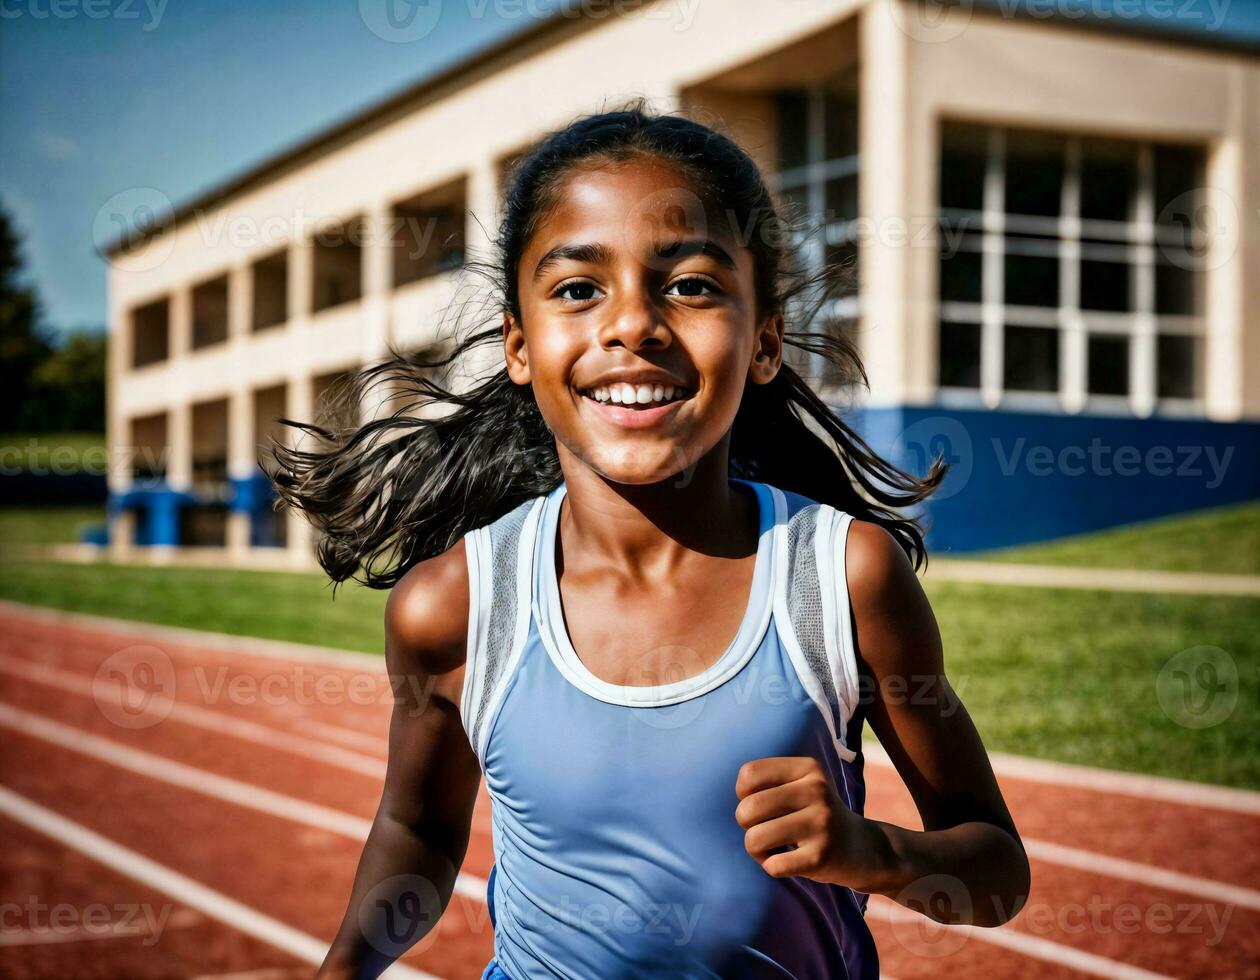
{"points": [[789, 800]]}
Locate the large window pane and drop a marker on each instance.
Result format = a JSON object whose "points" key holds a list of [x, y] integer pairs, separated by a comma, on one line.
{"points": [[1105, 286], [1031, 279], [964, 153], [1108, 179], [959, 355], [793, 109], [1030, 358], [1178, 366], [1108, 364], [1034, 172], [1176, 286], [960, 275]]}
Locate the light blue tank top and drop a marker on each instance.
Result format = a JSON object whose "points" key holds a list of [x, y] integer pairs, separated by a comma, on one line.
{"points": [[617, 852]]}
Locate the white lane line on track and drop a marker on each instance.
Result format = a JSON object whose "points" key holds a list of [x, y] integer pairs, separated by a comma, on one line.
{"points": [[1145, 874], [49, 936], [346, 736], [1159, 788], [190, 714], [467, 885], [226, 642], [336, 821], [1020, 942], [187, 777], [180, 887]]}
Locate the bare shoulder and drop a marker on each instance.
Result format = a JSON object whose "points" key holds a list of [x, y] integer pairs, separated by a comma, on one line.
{"points": [[894, 620], [426, 616], [877, 567]]}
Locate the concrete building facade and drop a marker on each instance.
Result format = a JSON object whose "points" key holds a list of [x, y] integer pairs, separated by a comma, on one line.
{"points": [[1055, 228]]}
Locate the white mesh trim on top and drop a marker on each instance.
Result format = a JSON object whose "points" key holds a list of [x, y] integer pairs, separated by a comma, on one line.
{"points": [[500, 607], [841, 648], [807, 604]]}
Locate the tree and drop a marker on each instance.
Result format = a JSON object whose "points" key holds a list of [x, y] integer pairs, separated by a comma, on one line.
{"points": [[24, 342]]}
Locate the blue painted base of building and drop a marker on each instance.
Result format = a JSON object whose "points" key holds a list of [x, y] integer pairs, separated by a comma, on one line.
{"points": [[157, 508], [1019, 477], [1015, 477]]}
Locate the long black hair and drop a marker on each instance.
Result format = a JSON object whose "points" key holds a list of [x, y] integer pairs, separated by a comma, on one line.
{"points": [[384, 491]]}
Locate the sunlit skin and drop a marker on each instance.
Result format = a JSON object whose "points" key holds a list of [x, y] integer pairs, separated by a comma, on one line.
{"points": [[655, 557], [649, 520]]}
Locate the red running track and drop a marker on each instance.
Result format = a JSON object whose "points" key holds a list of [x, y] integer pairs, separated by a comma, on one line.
{"points": [[189, 805]]}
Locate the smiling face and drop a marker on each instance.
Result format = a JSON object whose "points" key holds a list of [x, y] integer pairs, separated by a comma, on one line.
{"points": [[639, 324]]}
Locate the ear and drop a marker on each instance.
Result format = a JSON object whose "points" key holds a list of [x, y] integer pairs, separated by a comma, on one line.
{"points": [[515, 353], [768, 353]]}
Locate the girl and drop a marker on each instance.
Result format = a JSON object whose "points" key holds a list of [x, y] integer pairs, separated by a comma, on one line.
{"points": [[645, 581]]}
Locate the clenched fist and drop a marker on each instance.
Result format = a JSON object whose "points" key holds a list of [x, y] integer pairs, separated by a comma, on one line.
{"points": [[795, 824]]}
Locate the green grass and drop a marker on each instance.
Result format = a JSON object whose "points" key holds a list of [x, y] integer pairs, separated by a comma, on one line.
{"points": [[1071, 675], [1059, 674], [1223, 539], [276, 605], [47, 525], [57, 451]]}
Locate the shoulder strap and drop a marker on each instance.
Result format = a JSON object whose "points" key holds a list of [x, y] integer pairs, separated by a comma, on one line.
{"points": [[814, 600], [500, 582]]}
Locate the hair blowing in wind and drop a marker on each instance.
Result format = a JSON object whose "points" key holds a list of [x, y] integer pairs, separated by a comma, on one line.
{"points": [[387, 491]]}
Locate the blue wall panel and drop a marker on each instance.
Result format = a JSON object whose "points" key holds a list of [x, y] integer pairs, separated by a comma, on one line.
{"points": [[1018, 477]]}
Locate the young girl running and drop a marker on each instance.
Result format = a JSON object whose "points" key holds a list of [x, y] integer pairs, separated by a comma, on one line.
{"points": [[645, 581]]}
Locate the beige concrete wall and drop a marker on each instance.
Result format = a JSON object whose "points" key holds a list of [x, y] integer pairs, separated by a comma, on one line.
{"points": [[705, 56], [1031, 73]]}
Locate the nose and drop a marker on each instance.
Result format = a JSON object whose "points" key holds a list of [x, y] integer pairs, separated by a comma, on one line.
{"points": [[635, 322]]}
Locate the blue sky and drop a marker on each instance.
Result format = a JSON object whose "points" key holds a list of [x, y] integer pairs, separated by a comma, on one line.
{"points": [[100, 96]]}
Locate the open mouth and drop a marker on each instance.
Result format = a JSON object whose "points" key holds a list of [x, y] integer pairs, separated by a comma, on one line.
{"points": [[640, 396]]}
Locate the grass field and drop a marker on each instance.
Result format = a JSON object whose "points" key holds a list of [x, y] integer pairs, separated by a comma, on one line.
{"points": [[1224, 540], [47, 525], [54, 450], [1057, 673]]}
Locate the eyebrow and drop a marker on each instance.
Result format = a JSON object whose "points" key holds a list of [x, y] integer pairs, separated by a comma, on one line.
{"points": [[599, 253]]}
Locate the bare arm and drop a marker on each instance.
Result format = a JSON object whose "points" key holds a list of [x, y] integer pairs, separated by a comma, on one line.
{"points": [[413, 853], [967, 865], [969, 844]]}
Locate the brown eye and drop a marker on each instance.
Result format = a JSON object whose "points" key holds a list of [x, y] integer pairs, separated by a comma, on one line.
{"points": [[585, 291], [692, 286]]}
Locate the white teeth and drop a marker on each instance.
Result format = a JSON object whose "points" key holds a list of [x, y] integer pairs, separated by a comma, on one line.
{"points": [[627, 394]]}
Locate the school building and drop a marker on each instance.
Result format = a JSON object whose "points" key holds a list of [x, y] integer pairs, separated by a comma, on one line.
{"points": [[1055, 224]]}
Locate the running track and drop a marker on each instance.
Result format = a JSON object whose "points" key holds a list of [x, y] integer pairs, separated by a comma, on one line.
{"points": [[179, 804]]}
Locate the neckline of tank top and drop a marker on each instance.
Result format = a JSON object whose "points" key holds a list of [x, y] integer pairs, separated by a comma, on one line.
{"points": [[752, 629]]}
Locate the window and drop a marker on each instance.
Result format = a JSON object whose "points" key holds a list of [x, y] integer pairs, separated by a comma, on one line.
{"points": [[817, 183], [151, 332], [428, 233], [338, 264], [1068, 268], [210, 313], [271, 291], [148, 446]]}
